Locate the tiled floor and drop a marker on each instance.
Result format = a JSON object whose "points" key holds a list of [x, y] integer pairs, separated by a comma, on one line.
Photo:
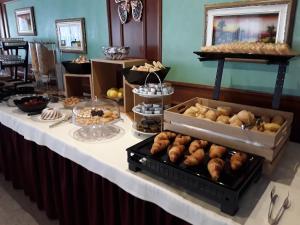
{"points": [[17, 209]]}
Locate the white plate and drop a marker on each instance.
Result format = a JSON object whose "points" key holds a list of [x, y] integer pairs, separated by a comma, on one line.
{"points": [[38, 118]]}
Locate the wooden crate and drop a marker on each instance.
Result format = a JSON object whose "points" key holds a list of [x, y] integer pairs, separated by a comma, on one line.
{"points": [[259, 143], [77, 84], [106, 74]]}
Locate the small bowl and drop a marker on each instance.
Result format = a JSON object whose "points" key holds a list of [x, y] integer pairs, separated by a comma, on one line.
{"points": [[32, 104], [115, 53]]}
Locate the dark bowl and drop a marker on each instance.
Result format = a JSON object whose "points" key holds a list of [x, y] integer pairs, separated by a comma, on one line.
{"points": [[77, 68], [32, 104], [139, 77]]}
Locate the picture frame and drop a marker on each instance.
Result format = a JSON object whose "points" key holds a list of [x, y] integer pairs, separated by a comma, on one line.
{"points": [[269, 21], [71, 35], [25, 22]]}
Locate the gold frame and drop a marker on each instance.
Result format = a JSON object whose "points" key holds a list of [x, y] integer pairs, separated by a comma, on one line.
{"points": [[290, 14]]}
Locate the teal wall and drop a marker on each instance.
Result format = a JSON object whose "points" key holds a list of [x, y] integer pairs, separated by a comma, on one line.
{"points": [[47, 11], [183, 32]]}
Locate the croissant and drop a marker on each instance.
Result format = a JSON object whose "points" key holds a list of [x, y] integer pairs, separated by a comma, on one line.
{"points": [[161, 142], [215, 167], [196, 144], [216, 151], [195, 158], [164, 136], [175, 152], [182, 139], [159, 146], [237, 160]]}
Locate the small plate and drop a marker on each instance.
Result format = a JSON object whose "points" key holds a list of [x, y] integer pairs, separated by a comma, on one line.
{"points": [[38, 118], [151, 96]]}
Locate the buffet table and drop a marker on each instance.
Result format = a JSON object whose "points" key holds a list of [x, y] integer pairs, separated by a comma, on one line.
{"points": [[89, 183]]}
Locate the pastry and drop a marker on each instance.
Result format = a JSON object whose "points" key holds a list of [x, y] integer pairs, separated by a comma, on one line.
{"points": [[154, 67], [95, 116], [159, 146], [161, 142], [278, 119], [166, 135], [195, 158], [70, 102], [272, 127], [175, 152], [211, 115], [223, 119], [235, 121], [224, 110], [215, 167], [250, 47], [197, 144], [50, 114], [192, 111], [246, 117], [217, 151], [237, 160], [182, 139], [201, 108]]}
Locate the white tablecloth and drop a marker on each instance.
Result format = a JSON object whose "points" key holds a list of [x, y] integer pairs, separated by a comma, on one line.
{"points": [[109, 160]]}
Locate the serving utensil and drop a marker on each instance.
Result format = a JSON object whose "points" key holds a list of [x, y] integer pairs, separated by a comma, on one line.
{"points": [[285, 205], [272, 203]]}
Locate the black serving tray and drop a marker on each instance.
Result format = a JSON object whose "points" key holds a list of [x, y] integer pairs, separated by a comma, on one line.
{"points": [[77, 68], [227, 190], [139, 77], [222, 55]]}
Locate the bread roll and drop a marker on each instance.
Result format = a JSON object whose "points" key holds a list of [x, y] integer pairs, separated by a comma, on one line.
{"points": [[202, 109], [273, 127], [223, 119], [211, 115], [246, 117], [235, 121], [224, 110], [278, 119]]}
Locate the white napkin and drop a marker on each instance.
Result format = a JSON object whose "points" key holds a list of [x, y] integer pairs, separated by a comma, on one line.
{"points": [[290, 217]]}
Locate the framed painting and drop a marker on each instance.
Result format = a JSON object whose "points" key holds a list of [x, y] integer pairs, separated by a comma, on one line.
{"points": [[250, 21], [71, 35], [25, 21]]}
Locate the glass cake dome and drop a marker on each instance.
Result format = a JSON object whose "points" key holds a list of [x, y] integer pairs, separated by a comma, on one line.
{"points": [[96, 119]]}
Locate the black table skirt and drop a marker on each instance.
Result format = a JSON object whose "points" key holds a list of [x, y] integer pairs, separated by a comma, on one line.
{"points": [[68, 192]]}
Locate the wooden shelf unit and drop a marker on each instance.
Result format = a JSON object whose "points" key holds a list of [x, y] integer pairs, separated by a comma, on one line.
{"points": [[77, 84], [107, 74]]}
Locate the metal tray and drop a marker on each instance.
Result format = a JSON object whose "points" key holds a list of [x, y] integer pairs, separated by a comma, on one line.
{"points": [[227, 190]]}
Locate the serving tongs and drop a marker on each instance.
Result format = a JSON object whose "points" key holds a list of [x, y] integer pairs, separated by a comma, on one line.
{"points": [[285, 205], [258, 123]]}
